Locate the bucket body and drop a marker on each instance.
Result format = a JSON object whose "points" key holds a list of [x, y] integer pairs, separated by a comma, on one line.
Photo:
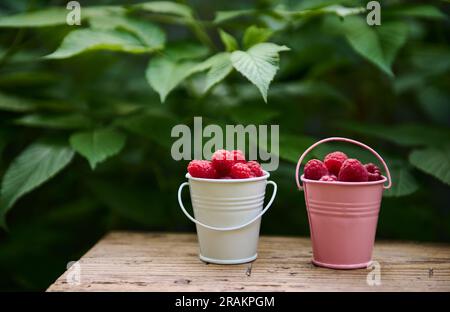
{"points": [[343, 220], [228, 205]]}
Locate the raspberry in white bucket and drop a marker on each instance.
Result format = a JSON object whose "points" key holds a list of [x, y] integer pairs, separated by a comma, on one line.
{"points": [[227, 195]]}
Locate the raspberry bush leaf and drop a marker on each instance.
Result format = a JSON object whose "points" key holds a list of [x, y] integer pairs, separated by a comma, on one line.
{"points": [[228, 41], [165, 7], [185, 51], [379, 44], [164, 74], [83, 40], [365, 41], [41, 18], [97, 145], [434, 161], [60, 121], [13, 103], [403, 182], [35, 165], [392, 36], [311, 10], [420, 11], [54, 16], [254, 35], [223, 16], [220, 68], [402, 134], [149, 34], [259, 64]]}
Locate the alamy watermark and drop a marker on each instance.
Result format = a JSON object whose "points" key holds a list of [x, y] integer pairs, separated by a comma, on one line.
{"points": [[74, 15], [73, 276], [374, 276], [374, 15], [201, 142]]}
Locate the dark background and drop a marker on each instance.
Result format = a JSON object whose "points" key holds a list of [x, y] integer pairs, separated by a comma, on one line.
{"points": [[326, 86]]}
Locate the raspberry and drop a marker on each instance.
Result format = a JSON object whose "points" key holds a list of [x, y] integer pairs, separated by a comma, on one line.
{"points": [[328, 178], [225, 178], [202, 169], [256, 168], [353, 171], [222, 161], [333, 161], [238, 156], [315, 169], [241, 171], [373, 172]]}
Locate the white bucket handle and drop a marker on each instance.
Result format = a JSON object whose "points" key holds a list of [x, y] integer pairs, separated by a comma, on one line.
{"points": [[386, 169], [227, 228]]}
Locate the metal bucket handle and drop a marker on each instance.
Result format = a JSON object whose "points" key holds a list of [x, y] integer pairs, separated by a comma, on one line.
{"points": [[227, 228], [386, 169]]}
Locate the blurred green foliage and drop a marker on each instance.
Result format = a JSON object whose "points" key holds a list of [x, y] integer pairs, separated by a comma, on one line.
{"points": [[86, 112]]}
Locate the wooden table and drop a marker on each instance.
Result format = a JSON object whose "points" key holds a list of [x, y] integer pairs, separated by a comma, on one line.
{"points": [[130, 261]]}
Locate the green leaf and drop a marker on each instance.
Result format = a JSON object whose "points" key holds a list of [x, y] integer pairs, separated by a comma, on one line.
{"points": [[150, 34], [220, 68], [254, 35], [35, 165], [28, 78], [403, 182], [165, 7], [54, 16], [378, 44], [185, 51], [365, 41], [342, 11], [309, 88], [335, 9], [79, 41], [431, 60], [70, 121], [16, 104], [392, 36], [405, 134], [259, 64], [42, 18], [434, 161], [222, 16], [164, 74], [420, 11], [98, 145], [228, 41]]}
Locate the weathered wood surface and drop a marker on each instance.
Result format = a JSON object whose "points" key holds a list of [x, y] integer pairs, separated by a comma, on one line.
{"points": [[129, 261]]}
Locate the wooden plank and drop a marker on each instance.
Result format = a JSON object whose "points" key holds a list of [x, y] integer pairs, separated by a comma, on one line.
{"points": [[130, 261]]}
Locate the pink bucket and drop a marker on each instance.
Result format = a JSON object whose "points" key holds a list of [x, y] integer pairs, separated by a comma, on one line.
{"points": [[342, 216]]}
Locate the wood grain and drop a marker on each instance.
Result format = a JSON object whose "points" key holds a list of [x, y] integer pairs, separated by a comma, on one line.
{"points": [[130, 261]]}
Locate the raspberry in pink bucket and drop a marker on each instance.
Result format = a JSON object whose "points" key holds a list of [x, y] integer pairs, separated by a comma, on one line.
{"points": [[343, 212]]}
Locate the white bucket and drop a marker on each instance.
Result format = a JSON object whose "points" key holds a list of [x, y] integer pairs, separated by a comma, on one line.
{"points": [[227, 216]]}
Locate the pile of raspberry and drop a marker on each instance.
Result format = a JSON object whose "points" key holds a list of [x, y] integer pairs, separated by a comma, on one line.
{"points": [[225, 165], [337, 166]]}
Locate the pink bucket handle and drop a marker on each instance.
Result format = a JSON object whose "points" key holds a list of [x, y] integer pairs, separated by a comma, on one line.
{"points": [[342, 140]]}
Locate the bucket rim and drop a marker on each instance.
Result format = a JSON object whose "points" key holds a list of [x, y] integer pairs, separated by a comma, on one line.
{"points": [[264, 177], [344, 183]]}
